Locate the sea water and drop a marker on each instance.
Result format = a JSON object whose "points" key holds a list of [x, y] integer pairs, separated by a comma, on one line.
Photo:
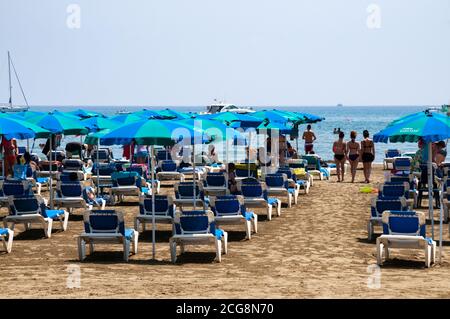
{"points": [[357, 118]]}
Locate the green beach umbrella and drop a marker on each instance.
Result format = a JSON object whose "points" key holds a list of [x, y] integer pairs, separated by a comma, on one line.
{"points": [[82, 113]]}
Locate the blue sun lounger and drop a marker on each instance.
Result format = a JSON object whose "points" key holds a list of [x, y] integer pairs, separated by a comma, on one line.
{"points": [[215, 183], [278, 185], [30, 210], [106, 227], [406, 230], [379, 206], [230, 210], [255, 195], [197, 228], [164, 211]]}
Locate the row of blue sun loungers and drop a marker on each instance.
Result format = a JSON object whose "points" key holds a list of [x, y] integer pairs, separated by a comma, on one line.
{"points": [[189, 226]]}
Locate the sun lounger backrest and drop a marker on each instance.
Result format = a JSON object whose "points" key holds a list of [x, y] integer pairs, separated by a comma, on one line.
{"points": [[285, 170], [394, 191], [381, 205], [168, 166], [104, 221], [276, 180], [252, 188], [103, 155], [138, 168], [402, 163], [72, 165], [73, 189], [186, 190], [227, 205], [126, 179], [16, 187], [163, 155], [68, 177], [404, 223], [194, 222], [163, 205], [26, 205], [390, 153], [216, 179], [104, 169]]}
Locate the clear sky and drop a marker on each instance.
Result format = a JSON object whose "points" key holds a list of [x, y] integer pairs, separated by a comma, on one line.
{"points": [[250, 52]]}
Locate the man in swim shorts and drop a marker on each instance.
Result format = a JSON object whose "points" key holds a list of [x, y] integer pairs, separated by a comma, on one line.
{"points": [[309, 138]]}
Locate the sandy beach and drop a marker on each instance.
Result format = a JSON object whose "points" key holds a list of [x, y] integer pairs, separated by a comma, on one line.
{"points": [[317, 249]]}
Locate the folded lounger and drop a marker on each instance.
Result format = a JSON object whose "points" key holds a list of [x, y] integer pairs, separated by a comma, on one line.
{"points": [[230, 210], [406, 230], [30, 210], [106, 227], [197, 228]]}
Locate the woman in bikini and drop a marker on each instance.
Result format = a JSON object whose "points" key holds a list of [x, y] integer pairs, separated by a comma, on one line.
{"points": [[340, 151], [367, 155], [353, 149]]}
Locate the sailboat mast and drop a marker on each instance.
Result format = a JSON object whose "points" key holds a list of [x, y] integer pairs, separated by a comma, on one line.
{"points": [[10, 85]]}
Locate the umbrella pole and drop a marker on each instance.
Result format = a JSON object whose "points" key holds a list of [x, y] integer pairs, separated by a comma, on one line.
{"points": [[193, 176], [51, 171], [3, 159], [248, 153], [28, 145], [98, 168], [153, 203], [226, 162], [440, 221], [430, 187]]}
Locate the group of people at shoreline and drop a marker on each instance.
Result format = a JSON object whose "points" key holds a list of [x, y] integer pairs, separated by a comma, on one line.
{"points": [[343, 151]]}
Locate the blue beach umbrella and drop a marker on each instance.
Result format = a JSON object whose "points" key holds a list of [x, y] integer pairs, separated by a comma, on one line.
{"points": [[272, 116], [81, 113], [146, 113], [430, 127], [10, 129], [94, 124]]}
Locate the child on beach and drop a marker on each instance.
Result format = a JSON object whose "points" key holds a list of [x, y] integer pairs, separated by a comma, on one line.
{"points": [[367, 155], [309, 138], [353, 149], [340, 151]]}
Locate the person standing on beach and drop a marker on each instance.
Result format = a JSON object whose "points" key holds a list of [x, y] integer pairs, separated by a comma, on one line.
{"points": [[340, 151], [309, 138], [10, 151], [367, 155], [353, 149]]}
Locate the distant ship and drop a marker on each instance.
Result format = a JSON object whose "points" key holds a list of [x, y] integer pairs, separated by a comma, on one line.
{"points": [[340, 105], [219, 107], [9, 107]]}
